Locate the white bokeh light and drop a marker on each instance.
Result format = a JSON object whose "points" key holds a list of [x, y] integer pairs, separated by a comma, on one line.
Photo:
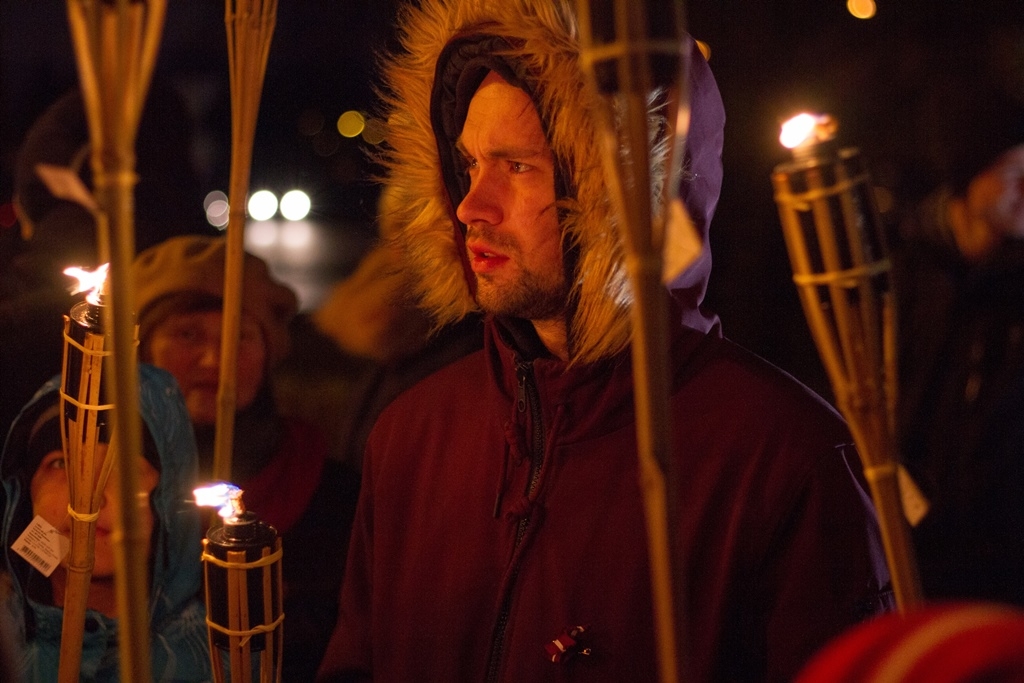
{"points": [[262, 205], [295, 205], [214, 196], [261, 234], [216, 205], [296, 235], [217, 214]]}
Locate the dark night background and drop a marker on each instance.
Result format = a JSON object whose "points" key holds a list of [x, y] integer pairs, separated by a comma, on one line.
{"points": [[771, 59]]}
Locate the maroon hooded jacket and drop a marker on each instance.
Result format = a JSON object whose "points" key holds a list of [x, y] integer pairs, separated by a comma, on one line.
{"points": [[500, 533], [470, 551]]}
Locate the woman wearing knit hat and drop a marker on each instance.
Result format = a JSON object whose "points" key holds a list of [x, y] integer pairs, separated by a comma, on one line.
{"points": [[280, 462]]}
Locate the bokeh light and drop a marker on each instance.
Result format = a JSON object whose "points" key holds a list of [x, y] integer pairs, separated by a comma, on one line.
{"points": [[326, 142], [295, 205], [262, 205], [311, 122], [862, 9], [261, 234], [351, 123], [296, 235], [216, 205], [215, 196], [374, 131]]}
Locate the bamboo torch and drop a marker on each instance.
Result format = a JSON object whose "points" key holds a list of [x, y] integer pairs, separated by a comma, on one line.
{"points": [[85, 424], [841, 268], [116, 44], [250, 27], [630, 49], [242, 580]]}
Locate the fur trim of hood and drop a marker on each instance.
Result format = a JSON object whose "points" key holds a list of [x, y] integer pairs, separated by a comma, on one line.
{"points": [[542, 42]]}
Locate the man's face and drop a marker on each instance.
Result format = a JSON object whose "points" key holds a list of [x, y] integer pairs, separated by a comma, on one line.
{"points": [[49, 491], [187, 345], [513, 238]]}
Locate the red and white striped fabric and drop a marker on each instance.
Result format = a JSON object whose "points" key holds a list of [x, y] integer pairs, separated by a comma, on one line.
{"points": [[946, 643]]}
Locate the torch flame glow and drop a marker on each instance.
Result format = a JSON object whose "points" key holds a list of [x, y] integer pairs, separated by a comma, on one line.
{"points": [[89, 281], [227, 498], [807, 129]]}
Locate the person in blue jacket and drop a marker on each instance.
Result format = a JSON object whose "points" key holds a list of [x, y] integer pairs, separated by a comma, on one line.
{"points": [[35, 483]]}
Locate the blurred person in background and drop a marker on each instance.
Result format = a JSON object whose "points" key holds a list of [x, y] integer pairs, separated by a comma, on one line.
{"points": [[383, 339], [281, 462], [959, 269], [56, 228]]}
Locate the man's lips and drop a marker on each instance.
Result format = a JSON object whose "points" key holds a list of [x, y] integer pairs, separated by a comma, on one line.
{"points": [[483, 259]]}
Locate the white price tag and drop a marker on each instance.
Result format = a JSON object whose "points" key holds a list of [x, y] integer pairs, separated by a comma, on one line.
{"points": [[42, 546]]}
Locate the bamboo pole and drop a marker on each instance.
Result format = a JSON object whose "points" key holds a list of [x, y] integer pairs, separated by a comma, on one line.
{"points": [[250, 28], [841, 270], [116, 44], [83, 410], [626, 157]]}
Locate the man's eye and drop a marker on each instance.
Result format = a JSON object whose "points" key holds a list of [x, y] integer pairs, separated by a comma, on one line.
{"points": [[518, 167], [186, 335]]}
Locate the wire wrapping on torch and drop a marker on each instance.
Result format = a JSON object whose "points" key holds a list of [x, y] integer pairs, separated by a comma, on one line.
{"points": [[880, 472], [802, 201], [262, 562], [82, 517], [89, 352], [851, 275], [86, 406], [247, 634]]}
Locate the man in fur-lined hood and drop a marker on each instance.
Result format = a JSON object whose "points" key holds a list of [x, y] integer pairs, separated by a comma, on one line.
{"points": [[500, 532], [543, 60]]}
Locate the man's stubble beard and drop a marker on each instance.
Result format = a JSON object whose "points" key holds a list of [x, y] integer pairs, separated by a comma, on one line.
{"points": [[530, 297]]}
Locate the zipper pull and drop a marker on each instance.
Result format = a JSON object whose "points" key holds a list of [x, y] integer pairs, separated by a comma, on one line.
{"points": [[521, 370]]}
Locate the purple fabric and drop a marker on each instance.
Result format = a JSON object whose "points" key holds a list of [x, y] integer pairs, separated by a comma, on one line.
{"points": [[701, 185]]}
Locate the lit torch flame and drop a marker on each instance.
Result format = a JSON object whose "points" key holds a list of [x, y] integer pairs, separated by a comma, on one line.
{"points": [[89, 281], [807, 129], [227, 498]]}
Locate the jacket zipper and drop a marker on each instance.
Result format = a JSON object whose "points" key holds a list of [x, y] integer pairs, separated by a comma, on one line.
{"points": [[526, 398]]}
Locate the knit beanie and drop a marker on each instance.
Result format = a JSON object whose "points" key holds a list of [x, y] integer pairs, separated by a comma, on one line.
{"points": [[38, 434], [194, 265]]}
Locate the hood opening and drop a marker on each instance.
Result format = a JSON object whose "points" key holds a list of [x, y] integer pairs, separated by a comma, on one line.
{"points": [[461, 68]]}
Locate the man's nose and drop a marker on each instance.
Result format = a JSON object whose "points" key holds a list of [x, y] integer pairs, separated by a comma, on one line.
{"points": [[481, 203], [209, 355]]}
